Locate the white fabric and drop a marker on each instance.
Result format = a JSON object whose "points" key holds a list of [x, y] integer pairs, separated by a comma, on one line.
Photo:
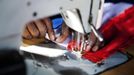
{"points": [[111, 10]]}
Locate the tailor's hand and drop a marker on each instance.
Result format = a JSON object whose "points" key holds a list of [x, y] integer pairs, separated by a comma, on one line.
{"points": [[94, 44], [39, 29]]}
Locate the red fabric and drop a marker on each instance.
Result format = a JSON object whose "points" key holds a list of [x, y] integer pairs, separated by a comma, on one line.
{"points": [[71, 45], [118, 33]]}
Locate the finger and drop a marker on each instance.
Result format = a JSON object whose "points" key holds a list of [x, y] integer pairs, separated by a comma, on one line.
{"points": [[41, 27], [33, 30], [92, 40], [64, 33], [48, 24], [96, 46], [26, 34]]}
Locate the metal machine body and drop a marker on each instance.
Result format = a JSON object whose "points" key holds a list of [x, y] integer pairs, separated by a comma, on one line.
{"points": [[14, 14]]}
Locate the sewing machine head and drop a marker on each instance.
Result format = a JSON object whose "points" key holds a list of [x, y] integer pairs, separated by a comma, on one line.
{"points": [[14, 14]]}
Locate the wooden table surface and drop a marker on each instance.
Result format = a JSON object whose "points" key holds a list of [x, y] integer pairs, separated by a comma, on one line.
{"points": [[124, 69]]}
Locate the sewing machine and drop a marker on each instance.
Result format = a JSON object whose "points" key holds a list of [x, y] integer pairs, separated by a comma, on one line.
{"points": [[27, 10], [86, 15]]}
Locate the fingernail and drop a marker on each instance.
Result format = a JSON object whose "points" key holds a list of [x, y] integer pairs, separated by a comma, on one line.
{"points": [[88, 48], [95, 48], [29, 37], [52, 38], [57, 40]]}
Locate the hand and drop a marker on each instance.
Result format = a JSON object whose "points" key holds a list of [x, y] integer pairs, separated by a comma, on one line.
{"points": [[93, 43], [39, 29]]}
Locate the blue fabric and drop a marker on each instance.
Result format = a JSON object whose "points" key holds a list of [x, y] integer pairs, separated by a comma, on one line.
{"points": [[57, 22], [117, 1]]}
